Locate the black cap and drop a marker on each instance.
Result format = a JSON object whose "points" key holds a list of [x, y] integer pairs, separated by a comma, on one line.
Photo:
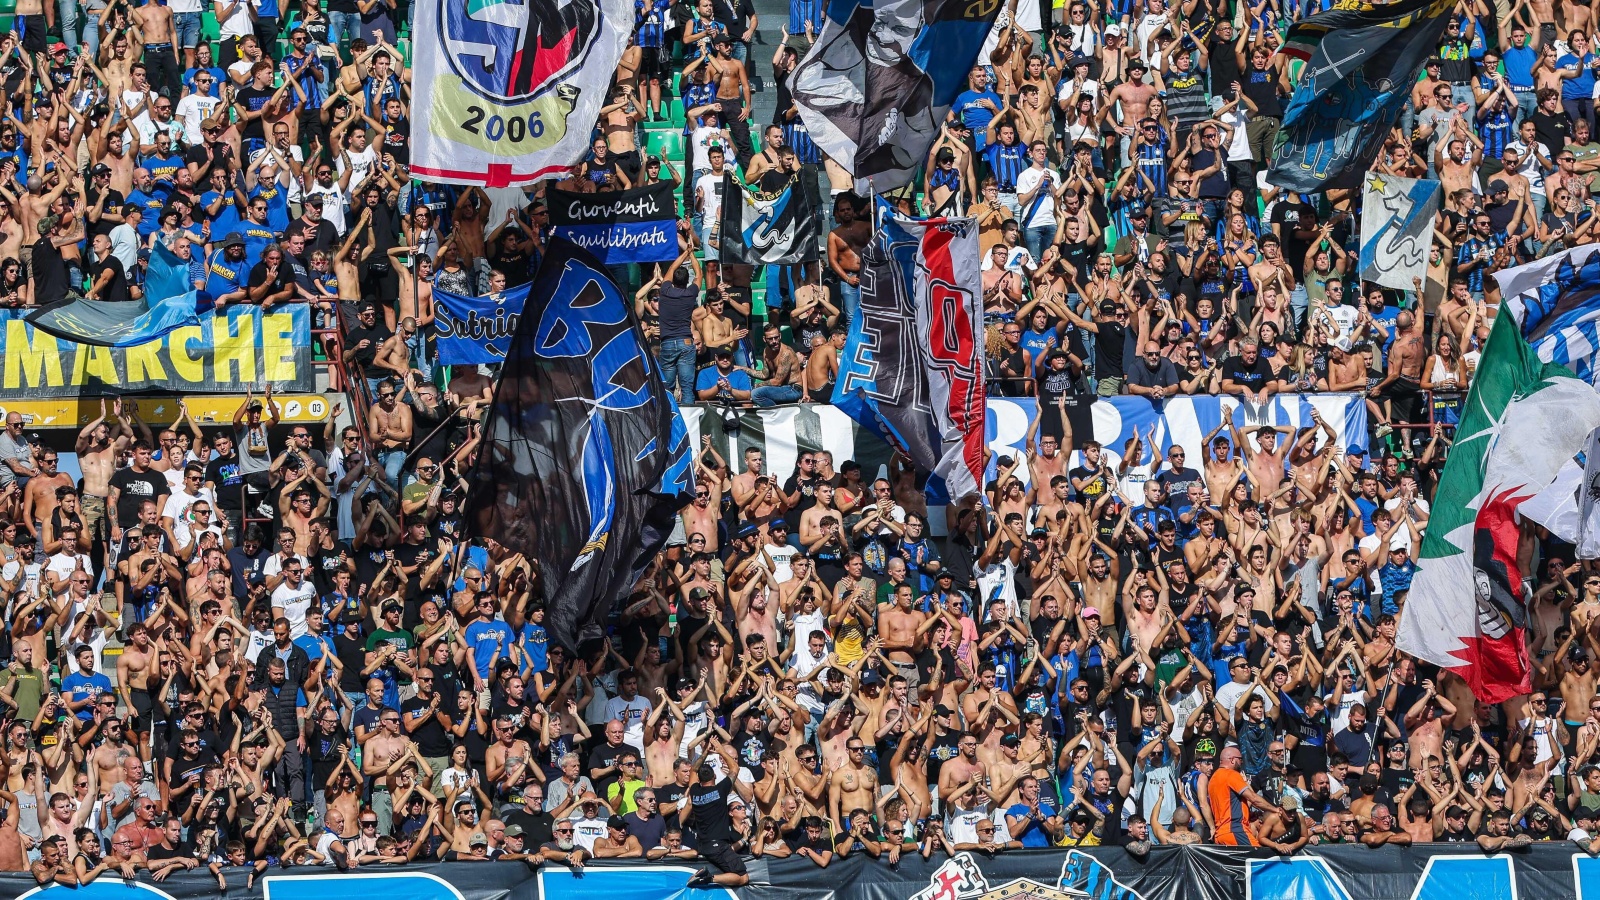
{"points": [[617, 822], [100, 169]]}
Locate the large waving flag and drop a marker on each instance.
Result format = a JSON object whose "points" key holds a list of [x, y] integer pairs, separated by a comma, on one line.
{"points": [[912, 369], [1524, 419], [582, 466], [1361, 61], [878, 82], [168, 304]]}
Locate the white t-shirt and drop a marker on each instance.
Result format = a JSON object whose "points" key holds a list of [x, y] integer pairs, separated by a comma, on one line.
{"points": [[334, 202], [193, 110], [700, 140], [149, 129], [31, 583], [360, 165], [238, 23], [179, 501], [708, 195], [62, 564], [632, 713], [1044, 204], [782, 555], [294, 601], [962, 826]]}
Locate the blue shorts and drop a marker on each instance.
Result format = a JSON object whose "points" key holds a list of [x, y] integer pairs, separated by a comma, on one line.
{"points": [[186, 29]]}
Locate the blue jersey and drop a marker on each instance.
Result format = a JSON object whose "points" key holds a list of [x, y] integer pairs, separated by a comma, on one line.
{"points": [[1006, 162], [1582, 86], [224, 276]]}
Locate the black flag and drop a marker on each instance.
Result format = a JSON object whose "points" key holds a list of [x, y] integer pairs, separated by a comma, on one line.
{"points": [[777, 229], [576, 445], [1361, 61]]}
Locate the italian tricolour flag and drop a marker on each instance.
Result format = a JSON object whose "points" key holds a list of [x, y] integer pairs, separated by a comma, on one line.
{"points": [[1468, 606]]}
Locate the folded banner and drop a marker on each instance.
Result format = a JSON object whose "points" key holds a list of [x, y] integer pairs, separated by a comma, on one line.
{"points": [[241, 348], [1361, 60], [912, 367], [776, 229], [1397, 229], [579, 437], [168, 304], [508, 92], [880, 79], [476, 330], [633, 226]]}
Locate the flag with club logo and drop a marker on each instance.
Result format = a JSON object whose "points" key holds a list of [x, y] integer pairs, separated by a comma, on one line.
{"points": [[1396, 229], [913, 365], [1468, 606], [776, 229], [506, 92]]}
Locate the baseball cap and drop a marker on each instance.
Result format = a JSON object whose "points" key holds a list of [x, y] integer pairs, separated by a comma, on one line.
{"points": [[514, 831], [1090, 612], [1114, 30], [58, 47], [617, 822], [100, 169], [941, 711], [477, 840], [1354, 450], [871, 677]]}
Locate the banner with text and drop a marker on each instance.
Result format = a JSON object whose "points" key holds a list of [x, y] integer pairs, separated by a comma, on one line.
{"points": [[620, 227], [240, 349], [476, 330], [1438, 871]]}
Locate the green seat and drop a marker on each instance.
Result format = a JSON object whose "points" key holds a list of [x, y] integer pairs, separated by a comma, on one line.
{"points": [[668, 144], [209, 29], [652, 125]]}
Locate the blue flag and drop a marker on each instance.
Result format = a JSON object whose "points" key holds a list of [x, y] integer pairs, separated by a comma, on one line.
{"points": [[476, 330]]}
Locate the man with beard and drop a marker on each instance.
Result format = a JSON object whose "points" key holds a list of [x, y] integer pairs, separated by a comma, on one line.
{"points": [[226, 273]]}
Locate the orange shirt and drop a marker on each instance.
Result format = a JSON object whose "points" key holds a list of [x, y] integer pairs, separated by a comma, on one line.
{"points": [[1230, 814]]}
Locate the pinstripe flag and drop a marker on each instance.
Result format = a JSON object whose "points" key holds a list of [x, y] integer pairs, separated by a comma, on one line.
{"points": [[1556, 301]]}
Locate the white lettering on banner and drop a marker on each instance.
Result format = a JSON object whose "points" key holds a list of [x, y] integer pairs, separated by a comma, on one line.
{"points": [[477, 327], [617, 237], [644, 207], [1312, 878]]}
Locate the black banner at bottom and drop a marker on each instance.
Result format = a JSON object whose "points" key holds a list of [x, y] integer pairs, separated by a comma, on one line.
{"points": [[1556, 871]]}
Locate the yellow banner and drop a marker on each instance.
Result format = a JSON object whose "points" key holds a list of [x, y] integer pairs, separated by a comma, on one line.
{"points": [[500, 129], [205, 409]]}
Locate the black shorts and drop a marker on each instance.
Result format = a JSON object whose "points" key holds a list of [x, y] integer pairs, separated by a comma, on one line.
{"points": [[722, 855], [631, 163], [139, 716], [35, 37], [653, 64]]}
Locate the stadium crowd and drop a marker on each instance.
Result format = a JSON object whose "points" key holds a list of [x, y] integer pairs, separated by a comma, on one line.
{"points": [[233, 647]]}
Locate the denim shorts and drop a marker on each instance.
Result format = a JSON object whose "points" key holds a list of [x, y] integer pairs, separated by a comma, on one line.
{"points": [[186, 29]]}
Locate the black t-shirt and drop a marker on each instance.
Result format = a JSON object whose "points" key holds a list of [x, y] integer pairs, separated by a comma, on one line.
{"points": [[1250, 375], [807, 488], [397, 140], [430, 736], [325, 562], [49, 272], [324, 748], [1553, 131], [136, 488], [114, 203], [352, 652], [279, 280], [115, 290], [253, 99], [536, 827], [377, 334], [670, 793], [606, 755], [1108, 349], [710, 804], [159, 853], [223, 472]]}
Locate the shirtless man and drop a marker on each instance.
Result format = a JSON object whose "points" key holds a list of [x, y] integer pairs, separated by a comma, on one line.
{"points": [[900, 633], [617, 121], [959, 770], [155, 26], [389, 423], [1131, 98], [854, 785], [394, 355], [134, 671], [506, 760], [822, 368], [1100, 592], [1047, 462], [1457, 156], [39, 499], [846, 242], [1266, 463], [733, 93], [700, 518], [118, 759], [39, 16], [98, 447], [384, 754], [1402, 382]]}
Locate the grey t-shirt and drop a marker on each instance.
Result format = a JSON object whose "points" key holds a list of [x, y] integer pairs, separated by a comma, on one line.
{"points": [[14, 448], [255, 454]]}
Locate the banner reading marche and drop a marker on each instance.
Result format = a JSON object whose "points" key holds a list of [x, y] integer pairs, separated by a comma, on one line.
{"points": [[240, 349], [619, 227], [507, 92], [1468, 606], [1396, 229], [476, 330]]}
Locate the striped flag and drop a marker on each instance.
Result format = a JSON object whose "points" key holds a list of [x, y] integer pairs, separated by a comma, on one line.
{"points": [[1556, 301]]}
